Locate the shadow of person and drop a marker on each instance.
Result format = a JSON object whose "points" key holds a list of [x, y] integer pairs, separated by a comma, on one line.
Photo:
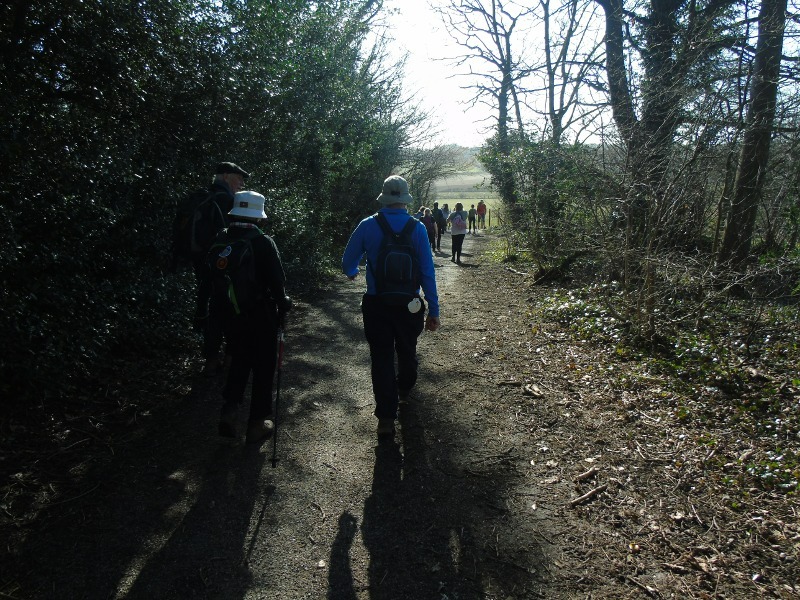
{"points": [[382, 527], [415, 527], [340, 575], [447, 532], [207, 555]]}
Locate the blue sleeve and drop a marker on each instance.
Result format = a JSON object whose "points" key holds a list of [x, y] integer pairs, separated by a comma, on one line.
{"points": [[354, 251], [366, 239]]}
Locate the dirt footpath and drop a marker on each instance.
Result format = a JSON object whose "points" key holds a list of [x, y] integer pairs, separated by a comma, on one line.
{"points": [[177, 512], [472, 501]]}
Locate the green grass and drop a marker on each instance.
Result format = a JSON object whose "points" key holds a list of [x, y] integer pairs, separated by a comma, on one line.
{"points": [[468, 188]]}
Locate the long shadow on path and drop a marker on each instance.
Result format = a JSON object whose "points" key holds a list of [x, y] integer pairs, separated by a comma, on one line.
{"points": [[206, 556], [168, 516], [176, 513], [437, 523]]}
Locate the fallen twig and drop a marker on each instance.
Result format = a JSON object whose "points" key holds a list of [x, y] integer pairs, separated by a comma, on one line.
{"points": [[586, 475], [588, 495], [504, 455], [648, 417], [86, 493], [322, 512], [651, 591], [677, 568], [649, 458], [696, 516]]}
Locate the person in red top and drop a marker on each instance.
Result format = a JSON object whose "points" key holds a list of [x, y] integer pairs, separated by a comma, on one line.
{"points": [[430, 226], [481, 214]]}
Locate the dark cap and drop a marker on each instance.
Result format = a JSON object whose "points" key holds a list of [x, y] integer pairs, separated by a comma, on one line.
{"points": [[224, 168]]}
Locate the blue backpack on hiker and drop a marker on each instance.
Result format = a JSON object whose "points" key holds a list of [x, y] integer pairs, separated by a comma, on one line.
{"points": [[396, 272]]}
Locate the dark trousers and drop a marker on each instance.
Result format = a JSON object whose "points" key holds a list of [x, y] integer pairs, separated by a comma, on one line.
{"points": [[212, 329], [458, 242], [432, 239], [390, 330], [252, 344], [439, 236]]}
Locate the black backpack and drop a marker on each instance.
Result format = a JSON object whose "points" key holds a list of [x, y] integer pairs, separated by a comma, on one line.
{"points": [[396, 272], [234, 289], [197, 222]]}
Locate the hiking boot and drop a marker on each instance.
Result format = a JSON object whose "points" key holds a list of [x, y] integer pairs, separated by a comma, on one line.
{"points": [[227, 421], [385, 429], [258, 431]]}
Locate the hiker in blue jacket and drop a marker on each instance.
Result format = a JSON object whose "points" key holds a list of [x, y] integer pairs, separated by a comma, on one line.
{"points": [[389, 328]]}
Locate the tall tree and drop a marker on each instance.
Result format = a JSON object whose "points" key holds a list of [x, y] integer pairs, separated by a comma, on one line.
{"points": [[569, 61], [122, 107], [672, 37], [754, 156], [486, 29]]}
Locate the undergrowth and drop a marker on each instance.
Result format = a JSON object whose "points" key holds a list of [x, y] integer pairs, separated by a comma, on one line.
{"points": [[728, 372], [718, 364]]}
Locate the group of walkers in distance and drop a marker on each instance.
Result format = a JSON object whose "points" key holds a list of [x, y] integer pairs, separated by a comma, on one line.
{"points": [[241, 299], [459, 222]]}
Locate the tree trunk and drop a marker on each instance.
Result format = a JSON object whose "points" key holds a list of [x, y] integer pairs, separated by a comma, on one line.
{"points": [[618, 88], [506, 186], [757, 136]]}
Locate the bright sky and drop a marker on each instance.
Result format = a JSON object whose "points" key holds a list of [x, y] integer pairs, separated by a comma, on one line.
{"points": [[420, 31]]}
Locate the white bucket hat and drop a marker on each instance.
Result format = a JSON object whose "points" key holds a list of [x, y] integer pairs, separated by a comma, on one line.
{"points": [[248, 204], [395, 189]]}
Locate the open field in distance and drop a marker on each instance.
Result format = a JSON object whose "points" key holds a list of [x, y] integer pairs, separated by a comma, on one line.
{"points": [[468, 188]]}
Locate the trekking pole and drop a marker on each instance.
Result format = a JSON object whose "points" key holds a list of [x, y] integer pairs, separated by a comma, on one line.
{"points": [[280, 341]]}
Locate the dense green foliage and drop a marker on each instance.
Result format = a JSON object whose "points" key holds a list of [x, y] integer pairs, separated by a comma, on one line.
{"points": [[113, 110]]}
